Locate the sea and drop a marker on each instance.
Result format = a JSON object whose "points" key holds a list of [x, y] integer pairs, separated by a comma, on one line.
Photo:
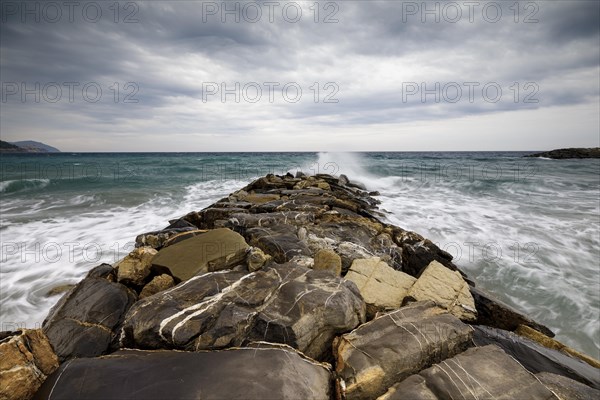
{"points": [[524, 229]]}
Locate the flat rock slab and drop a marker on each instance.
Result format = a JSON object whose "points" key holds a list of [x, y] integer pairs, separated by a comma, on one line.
{"points": [[394, 346], [478, 373], [84, 321], [287, 304], [537, 358], [567, 389], [26, 359], [382, 287], [244, 373], [447, 288], [192, 256]]}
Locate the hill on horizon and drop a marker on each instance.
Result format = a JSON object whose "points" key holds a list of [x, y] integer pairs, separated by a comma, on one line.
{"points": [[29, 146]]}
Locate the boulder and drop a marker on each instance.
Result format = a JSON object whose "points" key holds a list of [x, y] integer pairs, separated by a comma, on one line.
{"points": [[492, 312], [567, 389], [394, 346], [136, 266], [26, 359], [262, 372], [157, 239], [192, 256], [279, 241], [478, 373], [447, 288], [537, 358], [256, 259], [328, 260], [550, 343], [281, 303], [157, 284], [84, 321], [259, 198], [382, 287]]}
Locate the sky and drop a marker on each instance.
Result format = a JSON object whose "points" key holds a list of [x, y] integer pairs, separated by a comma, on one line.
{"points": [[301, 75]]}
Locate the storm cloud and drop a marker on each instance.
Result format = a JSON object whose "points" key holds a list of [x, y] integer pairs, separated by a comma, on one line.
{"points": [[300, 75]]}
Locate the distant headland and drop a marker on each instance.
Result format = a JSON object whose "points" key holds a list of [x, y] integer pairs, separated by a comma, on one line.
{"points": [[593, 152], [26, 146]]}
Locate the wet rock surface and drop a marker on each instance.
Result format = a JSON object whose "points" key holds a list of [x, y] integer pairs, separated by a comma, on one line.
{"points": [[84, 322], [239, 299], [396, 345], [282, 304], [26, 359], [258, 372], [478, 373]]}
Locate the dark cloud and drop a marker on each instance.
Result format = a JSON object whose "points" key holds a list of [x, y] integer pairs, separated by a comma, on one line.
{"points": [[369, 50]]}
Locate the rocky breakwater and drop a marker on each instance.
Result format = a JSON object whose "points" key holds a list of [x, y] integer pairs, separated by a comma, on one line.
{"points": [[292, 287]]}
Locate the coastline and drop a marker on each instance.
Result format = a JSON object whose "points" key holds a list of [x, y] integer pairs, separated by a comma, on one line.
{"points": [[292, 232]]}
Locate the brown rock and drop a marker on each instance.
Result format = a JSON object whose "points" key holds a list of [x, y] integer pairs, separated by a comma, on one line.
{"points": [[26, 359], [157, 284], [382, 287], [192, 256], [447, 288], [256, 259], [135, 267], [328, 260]]}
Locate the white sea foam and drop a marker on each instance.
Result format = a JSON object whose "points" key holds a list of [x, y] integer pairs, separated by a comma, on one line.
{"points": [[23, 184]]}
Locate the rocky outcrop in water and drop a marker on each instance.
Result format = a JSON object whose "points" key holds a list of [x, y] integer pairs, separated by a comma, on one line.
{"points": [[593, 152], [295, 287]]}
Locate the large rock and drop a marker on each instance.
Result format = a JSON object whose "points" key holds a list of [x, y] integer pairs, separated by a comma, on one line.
{"points": [[84, 321], [567, 389], [447, 288], [394, 346], [279, 241], [537, 358], [492, 312], [262, 372], [26, 359], [478, 373], [382, 287], [328, 260], [192, 256], [157, 239], [280, 303], [136, 266], [550, 343]]}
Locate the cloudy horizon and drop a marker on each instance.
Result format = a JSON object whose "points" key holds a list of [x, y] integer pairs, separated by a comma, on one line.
{"points": [[301, 75]]}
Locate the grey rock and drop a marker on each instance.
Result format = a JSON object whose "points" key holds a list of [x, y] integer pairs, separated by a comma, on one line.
{"points": [[567, 389], [262, 372], [478, 373], [84, 321], [492, 312], [281, 303], [537, 358], [394, 346]]}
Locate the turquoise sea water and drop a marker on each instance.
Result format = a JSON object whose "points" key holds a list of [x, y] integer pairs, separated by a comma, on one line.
{"points": [[527, 230]]}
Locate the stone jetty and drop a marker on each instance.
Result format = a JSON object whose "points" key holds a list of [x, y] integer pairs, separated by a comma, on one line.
{"points": [[293, 287]]}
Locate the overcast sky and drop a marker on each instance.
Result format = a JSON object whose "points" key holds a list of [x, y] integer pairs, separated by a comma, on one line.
{"points": [[295, 76]]}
